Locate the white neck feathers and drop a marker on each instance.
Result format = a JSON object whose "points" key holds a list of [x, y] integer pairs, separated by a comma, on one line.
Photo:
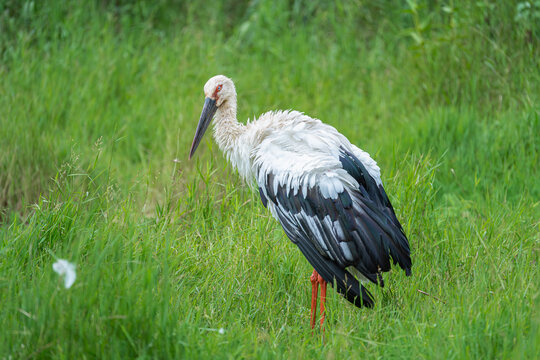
{"points": [[228, 133]]}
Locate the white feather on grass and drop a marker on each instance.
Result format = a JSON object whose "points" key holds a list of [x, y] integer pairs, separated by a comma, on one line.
{"points": [[66, 270]]}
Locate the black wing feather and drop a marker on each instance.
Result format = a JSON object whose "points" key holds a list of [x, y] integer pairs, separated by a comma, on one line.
{"points": [[345, 282], [362, 220]]}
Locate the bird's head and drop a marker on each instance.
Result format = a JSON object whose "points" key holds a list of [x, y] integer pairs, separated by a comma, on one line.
{"points": [[218, 90]]}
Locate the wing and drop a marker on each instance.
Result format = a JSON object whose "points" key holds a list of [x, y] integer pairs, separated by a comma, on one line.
{"points": [[332, 206], [378, 211]]}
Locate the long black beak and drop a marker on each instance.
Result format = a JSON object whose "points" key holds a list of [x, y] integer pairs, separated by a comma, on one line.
{"points": [[207, 114]]}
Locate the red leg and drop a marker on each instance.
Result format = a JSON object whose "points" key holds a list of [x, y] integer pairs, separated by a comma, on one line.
{"points": [[314, 292], [323, 300]]}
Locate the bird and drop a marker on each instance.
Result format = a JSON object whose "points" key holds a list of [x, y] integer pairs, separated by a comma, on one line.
{"points": [[326, 193]]}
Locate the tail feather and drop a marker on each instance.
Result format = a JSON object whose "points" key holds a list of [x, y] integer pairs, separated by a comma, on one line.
{"points": [[344, 281]]}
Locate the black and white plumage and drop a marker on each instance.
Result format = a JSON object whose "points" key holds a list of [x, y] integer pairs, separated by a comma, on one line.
{"points": [[325, 192]]}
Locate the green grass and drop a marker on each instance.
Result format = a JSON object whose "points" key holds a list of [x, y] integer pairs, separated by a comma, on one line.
{"points": [[99, 99]]}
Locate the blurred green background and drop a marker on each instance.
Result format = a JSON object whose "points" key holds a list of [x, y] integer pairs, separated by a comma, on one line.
{"points": [[99, 103]]}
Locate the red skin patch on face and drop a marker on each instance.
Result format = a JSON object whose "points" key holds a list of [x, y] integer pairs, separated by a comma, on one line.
{"points": [[215, 95]]}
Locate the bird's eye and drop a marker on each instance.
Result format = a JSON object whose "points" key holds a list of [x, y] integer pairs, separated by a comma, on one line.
{"points": [[218, 88]]}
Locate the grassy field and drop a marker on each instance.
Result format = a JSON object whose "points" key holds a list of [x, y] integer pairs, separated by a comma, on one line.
{"points": [[99, 103]]}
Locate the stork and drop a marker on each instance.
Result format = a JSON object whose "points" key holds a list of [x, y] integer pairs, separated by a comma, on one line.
{"points": [[326, 193]]}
